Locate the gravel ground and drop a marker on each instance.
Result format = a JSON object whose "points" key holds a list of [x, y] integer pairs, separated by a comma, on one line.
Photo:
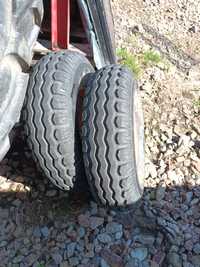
{"points": [[42, 226]]}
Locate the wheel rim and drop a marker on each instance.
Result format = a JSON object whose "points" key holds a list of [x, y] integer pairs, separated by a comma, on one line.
{"points": [[139, 138]]}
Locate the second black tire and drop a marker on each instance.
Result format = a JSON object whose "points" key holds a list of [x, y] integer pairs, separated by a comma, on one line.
{"points": [[50, 114], [113, 140]]}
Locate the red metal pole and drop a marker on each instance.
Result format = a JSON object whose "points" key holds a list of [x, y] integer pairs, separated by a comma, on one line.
{"points": [[60, 24]]}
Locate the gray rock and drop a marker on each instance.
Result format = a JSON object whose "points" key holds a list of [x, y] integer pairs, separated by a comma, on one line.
{"points": [[16, 202], [194, 201], [196, 248], [3, 243], [51, 193], [64, 264], [133, 263], [111, 258], [118, 235], [145, 264], [36, 264], [189, 196], [158, 258], [62, 237], [84, 220], [104, 238], [174, 259], [94, 208], [113, 213], [189, 245], [74, 261], [30, 259], [18, 259], [41, 187], [195, 259], [4, 213], [70, 229], [187, 264], [18, 232], [96, 261], [37, 232], [97, 248], [160, 193], [103, 263], [79, 247], [71, 249], [174, 248], [139, 253], [96, 222], [113, 228], [26, 241], [45, 231], [85, 261], [81, 232], [146, 239], [24, 251], [159, 239], [57, 258], [11, 227], [102, 212]]}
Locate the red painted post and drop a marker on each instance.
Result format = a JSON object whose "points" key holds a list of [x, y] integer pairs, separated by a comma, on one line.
{"points": [[60, 24]]}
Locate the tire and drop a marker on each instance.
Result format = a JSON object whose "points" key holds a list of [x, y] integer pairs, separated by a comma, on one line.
{"points": [[19, 27], [49, 114], [113, 137]]}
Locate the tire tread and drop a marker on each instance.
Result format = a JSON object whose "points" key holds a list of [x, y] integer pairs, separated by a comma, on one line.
{"points": [[49, 97], [112, 178]]}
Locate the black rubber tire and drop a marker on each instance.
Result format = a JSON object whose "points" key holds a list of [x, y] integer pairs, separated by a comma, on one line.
{"points": [[50, 114], [113, 166]]}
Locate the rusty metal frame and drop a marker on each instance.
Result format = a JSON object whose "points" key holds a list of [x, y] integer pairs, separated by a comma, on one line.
{"points": [[60, 24]]}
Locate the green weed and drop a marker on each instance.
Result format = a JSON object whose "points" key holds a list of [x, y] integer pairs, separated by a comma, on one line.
{"points": [[129, 60], [196, 103], [151, 57], [138, 62]]}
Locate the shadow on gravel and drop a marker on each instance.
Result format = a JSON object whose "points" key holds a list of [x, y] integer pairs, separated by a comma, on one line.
{"points": [[22, 185], [159, 221], [172, 52]]}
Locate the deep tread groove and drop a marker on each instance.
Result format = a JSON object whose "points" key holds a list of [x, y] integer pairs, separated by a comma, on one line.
{"points": [[96, 141], [106, 134]]}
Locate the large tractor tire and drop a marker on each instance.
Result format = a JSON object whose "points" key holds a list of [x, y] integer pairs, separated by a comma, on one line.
{"points": [[50, 114], [113, 137]]}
